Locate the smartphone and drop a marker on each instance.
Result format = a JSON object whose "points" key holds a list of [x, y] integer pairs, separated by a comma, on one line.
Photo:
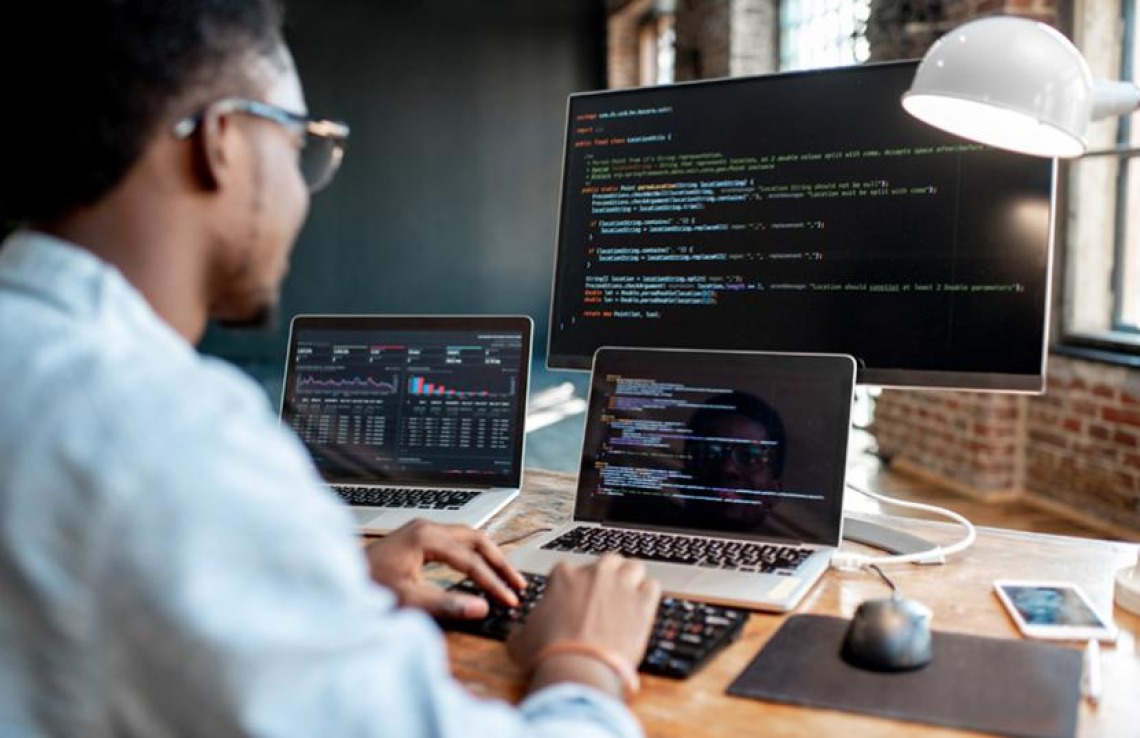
{"points": [[1053, 610]]}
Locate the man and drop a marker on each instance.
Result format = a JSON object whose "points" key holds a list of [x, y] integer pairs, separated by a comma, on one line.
{"points": [[737, 442], [170, 563], [736, 453]]}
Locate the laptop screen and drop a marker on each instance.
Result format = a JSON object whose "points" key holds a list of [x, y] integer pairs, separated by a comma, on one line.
{"points": [[410, 399], [752, 444]]}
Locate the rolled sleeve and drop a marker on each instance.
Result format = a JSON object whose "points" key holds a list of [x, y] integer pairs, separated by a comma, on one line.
{"points": [[575, 710], [253, 614]]}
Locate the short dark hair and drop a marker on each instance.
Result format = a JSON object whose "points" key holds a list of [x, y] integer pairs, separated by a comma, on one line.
{"points": [[749, 406], [99, 77]]}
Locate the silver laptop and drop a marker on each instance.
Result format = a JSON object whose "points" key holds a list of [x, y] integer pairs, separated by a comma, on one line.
{"points": [[723, 470], [411, 416]]}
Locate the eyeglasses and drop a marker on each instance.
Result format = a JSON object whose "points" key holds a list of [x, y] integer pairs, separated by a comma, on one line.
{"points": [[744, 454], [322, 141]]}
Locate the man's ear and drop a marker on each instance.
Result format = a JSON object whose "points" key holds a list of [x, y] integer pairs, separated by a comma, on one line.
{"points": [[214, 154]]}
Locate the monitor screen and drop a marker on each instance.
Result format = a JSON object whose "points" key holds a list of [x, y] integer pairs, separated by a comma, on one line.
{"points": [[409, 399], [732, 442], [802, 211]]}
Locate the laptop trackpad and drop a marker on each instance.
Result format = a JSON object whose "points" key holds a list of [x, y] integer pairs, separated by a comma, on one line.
{"points": [[672, 577], [363, 515]]}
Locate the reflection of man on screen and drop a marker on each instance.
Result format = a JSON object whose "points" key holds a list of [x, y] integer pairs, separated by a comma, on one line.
{"points": [[735, 452]]}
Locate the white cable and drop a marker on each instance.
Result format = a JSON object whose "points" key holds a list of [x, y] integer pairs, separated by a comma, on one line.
{"points": [[936, 555]]}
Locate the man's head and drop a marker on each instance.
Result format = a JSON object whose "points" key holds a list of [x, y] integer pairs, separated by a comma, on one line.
{"points": [[103, 76], [126, 111], [737, 440]]}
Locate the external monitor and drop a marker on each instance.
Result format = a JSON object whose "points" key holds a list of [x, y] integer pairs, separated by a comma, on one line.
{"points": [[802, 212]]}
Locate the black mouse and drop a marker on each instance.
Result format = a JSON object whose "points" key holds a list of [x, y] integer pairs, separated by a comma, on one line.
{"points": [[891, 634]]}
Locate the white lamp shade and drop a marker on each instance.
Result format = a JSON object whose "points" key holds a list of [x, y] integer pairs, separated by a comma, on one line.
{"points": [[1008, 82]]}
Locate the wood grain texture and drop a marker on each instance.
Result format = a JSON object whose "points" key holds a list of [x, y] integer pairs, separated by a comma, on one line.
{"points": [[959, 593]]}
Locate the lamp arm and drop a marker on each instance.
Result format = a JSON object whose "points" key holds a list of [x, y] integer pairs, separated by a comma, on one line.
{"points": [[1113, 99]]}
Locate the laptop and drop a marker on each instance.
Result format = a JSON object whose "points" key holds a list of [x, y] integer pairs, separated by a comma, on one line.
{"points": [[722, 470], [411, 416]]}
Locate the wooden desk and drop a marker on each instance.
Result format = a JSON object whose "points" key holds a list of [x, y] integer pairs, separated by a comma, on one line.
{"points": [[959, 593]]}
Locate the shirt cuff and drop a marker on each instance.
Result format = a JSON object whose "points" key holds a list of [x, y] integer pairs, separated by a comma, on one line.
{"points": [[575, 704]]}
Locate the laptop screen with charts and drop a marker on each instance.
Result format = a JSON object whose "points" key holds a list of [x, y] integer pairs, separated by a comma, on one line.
{"points": [[723, 470], [411, 416]]}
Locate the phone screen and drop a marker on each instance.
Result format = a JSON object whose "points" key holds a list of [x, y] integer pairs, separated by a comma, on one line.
{"points": [[1045, 605]]}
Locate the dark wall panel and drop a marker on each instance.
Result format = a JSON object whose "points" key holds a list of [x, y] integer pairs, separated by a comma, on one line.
{"points": [[447, 200]]}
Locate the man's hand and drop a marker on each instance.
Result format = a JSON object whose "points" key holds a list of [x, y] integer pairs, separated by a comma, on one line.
{"points": [[398, 559], [610, 604]]}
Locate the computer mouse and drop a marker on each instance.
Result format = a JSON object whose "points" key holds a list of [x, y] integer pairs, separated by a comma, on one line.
{"points": [[891, 634]]}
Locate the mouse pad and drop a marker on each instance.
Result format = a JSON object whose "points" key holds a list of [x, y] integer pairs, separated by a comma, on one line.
{"points": [[991, 685]]}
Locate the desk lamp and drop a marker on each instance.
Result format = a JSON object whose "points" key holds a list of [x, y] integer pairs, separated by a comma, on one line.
{"points": [[1015, 84], [1020, 85]]}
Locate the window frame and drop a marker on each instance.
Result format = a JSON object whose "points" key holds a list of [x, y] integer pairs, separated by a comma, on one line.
{"points": [[1119, 343], [787, 62], [1127, 158]]}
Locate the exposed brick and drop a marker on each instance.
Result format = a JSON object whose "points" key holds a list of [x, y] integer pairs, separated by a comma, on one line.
{"points": [[1049, 437], [996, 431], [1084, 407], [1103, 390], [1122, 438], [1072, 424], [1128, 398], [1099, 432], [1009, 413], [1046, 17], [1126, 417], [1131, 460]]}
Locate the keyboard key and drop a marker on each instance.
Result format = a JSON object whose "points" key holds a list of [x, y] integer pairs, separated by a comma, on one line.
{"points": [[711, 553], [685, 633], [400, 497]]}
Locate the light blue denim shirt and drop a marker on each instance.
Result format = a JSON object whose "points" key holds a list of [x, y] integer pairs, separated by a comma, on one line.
{"points": [[170, 564]]}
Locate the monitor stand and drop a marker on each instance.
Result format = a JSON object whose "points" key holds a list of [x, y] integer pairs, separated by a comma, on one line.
{"points": [[883, 537]]}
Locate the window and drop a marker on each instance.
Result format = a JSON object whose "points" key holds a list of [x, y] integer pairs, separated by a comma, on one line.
{"points": [[657, 47], [641, 43], [1101, 290], [823, 33]]}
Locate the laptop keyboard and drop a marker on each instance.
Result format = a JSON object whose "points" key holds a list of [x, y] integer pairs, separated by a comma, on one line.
{"points": [[685, 633], [422, 499], [714, 553]]}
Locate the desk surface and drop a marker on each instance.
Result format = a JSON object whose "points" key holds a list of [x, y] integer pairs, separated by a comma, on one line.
{"points": [[959, 593]]}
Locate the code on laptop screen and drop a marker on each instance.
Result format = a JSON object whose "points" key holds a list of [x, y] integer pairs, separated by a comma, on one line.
{"points": [[748, 443]]}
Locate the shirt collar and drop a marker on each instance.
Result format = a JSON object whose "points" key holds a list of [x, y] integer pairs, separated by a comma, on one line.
{"points": [[77, 282]]}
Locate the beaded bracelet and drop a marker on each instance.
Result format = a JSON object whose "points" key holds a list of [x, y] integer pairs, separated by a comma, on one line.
{"points": [[630, 683]]}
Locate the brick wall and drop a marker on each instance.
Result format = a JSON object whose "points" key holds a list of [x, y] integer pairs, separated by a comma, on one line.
{"points": [[623, 54], [1076, 448], [703, 39], [715, 38], [963, 10], [1082, 443], [965, 440], [755, 40]]}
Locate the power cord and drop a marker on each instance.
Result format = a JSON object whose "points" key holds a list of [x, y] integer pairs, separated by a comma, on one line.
{"points": [[883, 575], [850, 561]]}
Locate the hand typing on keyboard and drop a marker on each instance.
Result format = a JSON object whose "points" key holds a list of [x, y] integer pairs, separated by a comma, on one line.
{"points": [[591, 626], [686, 633], [589, 617], [397, 561]]}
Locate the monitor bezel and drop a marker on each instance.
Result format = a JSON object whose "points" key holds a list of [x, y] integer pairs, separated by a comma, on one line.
{"points": [[521, 324], [896, 378]]}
